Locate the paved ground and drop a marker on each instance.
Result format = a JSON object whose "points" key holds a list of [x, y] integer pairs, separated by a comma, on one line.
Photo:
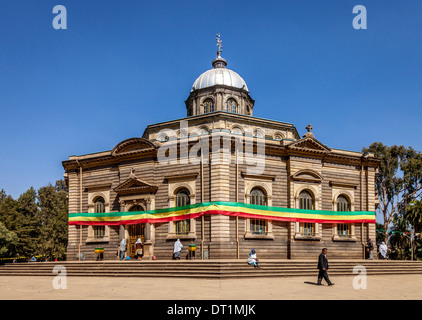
{"points": [[400, 287]]}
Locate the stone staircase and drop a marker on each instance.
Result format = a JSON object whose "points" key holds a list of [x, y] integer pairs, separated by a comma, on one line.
{"points": [[208, 269]]}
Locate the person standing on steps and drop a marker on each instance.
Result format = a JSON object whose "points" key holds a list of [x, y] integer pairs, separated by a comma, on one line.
{"points": [[122, 249], [139, 249], [177, 250], [370, 249], [323, 267]]}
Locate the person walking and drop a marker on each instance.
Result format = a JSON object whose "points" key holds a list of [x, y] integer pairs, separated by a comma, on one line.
{"points": [[383, 250], [323, 267], [177, 250], [371, 249]]}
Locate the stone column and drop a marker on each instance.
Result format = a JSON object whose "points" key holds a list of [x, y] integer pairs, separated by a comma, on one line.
{"points": [[220, 189], [148, 245]]}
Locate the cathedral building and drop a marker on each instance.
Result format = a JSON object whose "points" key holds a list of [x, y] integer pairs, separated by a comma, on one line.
{"points": [[225, 181]]}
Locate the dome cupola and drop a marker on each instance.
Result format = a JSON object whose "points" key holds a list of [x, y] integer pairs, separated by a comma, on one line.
{"points": [[219, 89]]}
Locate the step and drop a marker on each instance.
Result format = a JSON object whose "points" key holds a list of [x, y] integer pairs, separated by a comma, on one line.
{"points": [[206, 269]]}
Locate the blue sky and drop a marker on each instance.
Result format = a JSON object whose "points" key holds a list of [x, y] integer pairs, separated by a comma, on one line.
{"points": [[122, 65]]}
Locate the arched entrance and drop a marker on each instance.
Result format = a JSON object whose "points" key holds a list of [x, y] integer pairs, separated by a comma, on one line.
{"points": [[135, 231]]}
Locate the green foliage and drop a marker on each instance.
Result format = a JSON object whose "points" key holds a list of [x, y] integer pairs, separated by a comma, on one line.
{"points": [[399, 180], [8, 241], [38, 219], [52, 201]]}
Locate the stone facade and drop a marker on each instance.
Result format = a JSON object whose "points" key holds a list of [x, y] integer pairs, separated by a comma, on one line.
{"points": [[210, 163]]}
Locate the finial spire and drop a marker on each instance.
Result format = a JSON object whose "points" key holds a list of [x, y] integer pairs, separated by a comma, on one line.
{"points": [[219, 62], [220, 47]]}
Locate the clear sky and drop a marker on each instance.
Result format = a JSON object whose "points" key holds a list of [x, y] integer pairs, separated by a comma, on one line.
{"points": [[122, 65]]}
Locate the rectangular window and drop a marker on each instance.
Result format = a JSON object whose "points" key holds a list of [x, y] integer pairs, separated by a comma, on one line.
{"points": [[258, 226], [182, 227], [307, 229], [343, 230], [99, 232]]}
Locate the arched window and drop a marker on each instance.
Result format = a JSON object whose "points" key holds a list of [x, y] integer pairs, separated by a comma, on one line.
{"points": [[258, 197], [182, 199], [343, 229], [99, 207], [137, 208], [231, 105], [202, 131], [277, 137], [306, 202], [208, 105], [237, 130], [342, 203], [258, 134]]}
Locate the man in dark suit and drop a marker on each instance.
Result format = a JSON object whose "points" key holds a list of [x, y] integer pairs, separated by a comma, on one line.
{"points": [[323, 267]]}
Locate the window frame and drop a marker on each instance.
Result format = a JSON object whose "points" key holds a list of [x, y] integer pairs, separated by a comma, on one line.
{"points": [[177, 185], [98, 233], [208, 105], [307, 230], [229, 107], [343, 231]]}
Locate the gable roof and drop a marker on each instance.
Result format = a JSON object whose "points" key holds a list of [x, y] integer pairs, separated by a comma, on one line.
{"points": [[134, 185], [308, 144]]}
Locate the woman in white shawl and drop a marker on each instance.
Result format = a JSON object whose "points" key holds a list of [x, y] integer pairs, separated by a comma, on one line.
{"points": [[177, 251], [252, 259], [122, 248], [383, 250]]}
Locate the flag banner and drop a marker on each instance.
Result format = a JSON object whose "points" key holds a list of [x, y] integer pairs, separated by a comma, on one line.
{"points": [[233, 209]]}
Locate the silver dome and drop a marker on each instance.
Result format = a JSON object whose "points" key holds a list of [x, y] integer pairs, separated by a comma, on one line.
{"points": [[222, 76]]}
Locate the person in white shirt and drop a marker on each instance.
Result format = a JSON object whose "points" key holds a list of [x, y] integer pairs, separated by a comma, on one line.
{"points": [[252, 259]]}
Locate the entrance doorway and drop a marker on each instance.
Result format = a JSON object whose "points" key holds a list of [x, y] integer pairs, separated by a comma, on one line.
{"points": [[136, 231]]}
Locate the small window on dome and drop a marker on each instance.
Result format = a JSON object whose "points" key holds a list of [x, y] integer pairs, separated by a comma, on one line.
{"points": [[208, 106], [231, 105]]}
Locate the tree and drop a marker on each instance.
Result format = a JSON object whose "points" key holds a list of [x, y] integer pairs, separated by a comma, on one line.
{"points": [[414, 215], [399, 180], [26, 223], [52, 201], [38, 220], [8, 242], [399, 236]]}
